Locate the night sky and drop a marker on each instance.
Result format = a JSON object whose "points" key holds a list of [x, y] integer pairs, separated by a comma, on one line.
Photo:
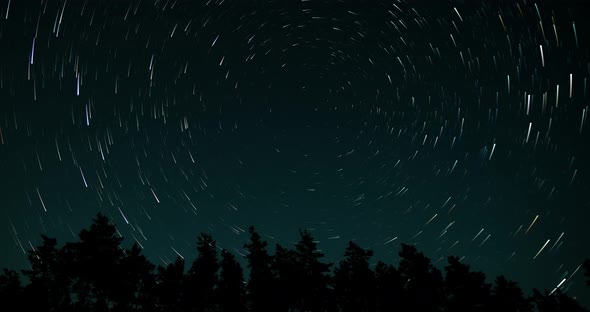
{"points": [[457, 126]]}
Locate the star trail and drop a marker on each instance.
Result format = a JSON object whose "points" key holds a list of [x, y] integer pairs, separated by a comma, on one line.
{"points": [[457, 126]]}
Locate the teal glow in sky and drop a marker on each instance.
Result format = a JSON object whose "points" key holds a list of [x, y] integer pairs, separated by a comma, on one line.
{"points": [[458, 127]]}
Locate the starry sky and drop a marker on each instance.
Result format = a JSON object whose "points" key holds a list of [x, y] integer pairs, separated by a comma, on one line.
{"points": [[457, 126]]}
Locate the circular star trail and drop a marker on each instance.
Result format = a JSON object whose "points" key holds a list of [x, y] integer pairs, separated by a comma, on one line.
{"points": [[460, 127]]}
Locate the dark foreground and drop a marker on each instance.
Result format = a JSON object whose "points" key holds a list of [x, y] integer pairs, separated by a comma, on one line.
{"points": [[97, 274]]}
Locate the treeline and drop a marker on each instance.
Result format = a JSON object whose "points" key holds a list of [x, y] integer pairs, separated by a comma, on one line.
{"points": [[97, 274]]}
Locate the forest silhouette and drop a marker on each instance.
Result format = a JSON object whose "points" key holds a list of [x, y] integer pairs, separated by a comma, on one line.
{"points": [[97, 274]]}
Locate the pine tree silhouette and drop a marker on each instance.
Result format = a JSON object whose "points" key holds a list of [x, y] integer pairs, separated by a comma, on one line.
{"points": [[96, 274], [11, 291], [314, 276], [170, 286], [231, 290], [49, 284], [389, 287], [423, 289], [354, 281], [134, 290], [507, 296], [288, 272], [465, 290], [555, 302], [261, 286], [94, 264], [202, 277]]}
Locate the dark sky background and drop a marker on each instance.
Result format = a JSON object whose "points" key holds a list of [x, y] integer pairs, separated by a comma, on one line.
{"points": [[460, 127]]}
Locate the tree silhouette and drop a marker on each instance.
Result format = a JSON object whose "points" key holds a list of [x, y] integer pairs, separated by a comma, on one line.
{"points": [[136, 283], [96, 274], [94, 265], [202, 277], [314, 275], [354, 281], [170, 286], [261, 289], [508, 297], [465, 290], [423, 289], [49, 284], [11, 291], [288, 272], [231, 289], [389, 287], [555, 302]]}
